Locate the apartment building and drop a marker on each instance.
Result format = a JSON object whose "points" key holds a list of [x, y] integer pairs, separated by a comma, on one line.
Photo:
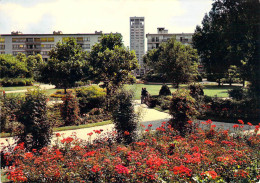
{"points": [[31, 44], [154, 40], [137, 41]]}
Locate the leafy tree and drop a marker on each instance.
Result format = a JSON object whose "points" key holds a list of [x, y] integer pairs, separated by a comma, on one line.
{"points": [[11, 67], [33, 115], [112, 63], [177, 61], [229, 34], [232, 74], [67, 64]]}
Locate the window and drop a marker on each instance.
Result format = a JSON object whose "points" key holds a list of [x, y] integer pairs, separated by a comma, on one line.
{"points": [[2, 47], [44, 39], [18, 39], [37, 39], [2, 40], [99, 39], [2, 52], [19, 46], [79, 39], [29, 39], [50, 39], [47, 45], [45, 52], [86, 38]]}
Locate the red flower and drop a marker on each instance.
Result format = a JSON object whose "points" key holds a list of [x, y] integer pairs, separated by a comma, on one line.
{"points": [[181, 170], [241, 121], [150, 125], [235, 126], [91, 153], [67, 140], [190, 122], [126, 133], [89, 134], [250, 124], [28, 155], [95, 168], [58, 135], [211, 174], [122, 169]]}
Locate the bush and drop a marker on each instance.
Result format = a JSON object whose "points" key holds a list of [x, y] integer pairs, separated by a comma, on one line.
{"points": [[159, 156], [196, 90], [182, 110], [150, 76], [70, 110], [90, 97], [237, 94], [124, 117], [165, 90], [33, 115], [164, 102], [9, 106], [16, 82], [60, 93]]}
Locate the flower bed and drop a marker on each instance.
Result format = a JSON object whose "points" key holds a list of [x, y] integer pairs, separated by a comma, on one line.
{"points": [[158, 156]]}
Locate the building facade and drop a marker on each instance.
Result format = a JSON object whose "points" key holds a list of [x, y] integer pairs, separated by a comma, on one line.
{"points": [[154, 40], [137, 41], [32, 44]]}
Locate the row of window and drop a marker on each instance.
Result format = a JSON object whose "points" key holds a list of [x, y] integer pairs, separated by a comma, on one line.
{"points": [[2, 47], [23, 46], [2, 40], [43, 39]]}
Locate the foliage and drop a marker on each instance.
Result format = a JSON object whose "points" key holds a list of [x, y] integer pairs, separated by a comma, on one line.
{"points": [[61, 93], [11, 67], [177, 61], [69, 110], [33, 115], [229, 34], [232, 74], [90, 97], [67, 64], [165, 90], [112, 63], [16, 82], [237, 94], [95, 115], [196, 90], [230, 110], [182, 110], [208, 155], [150, 76], [124, 117], [9, 106]]}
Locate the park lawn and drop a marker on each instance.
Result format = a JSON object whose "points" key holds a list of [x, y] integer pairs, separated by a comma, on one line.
{"points": [[209, 90], [14, 88]]}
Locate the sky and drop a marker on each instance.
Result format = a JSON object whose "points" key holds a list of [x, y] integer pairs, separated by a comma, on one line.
{"points": [[88, 16]]}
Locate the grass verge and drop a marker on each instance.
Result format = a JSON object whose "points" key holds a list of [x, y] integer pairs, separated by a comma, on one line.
{"points": [[65, 128]]}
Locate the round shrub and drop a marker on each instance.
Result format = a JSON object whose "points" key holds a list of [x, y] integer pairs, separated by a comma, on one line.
{"points": [[33, 115], [182, 110], [165, 90], [237, 94], [196, 90], [90, 97]]}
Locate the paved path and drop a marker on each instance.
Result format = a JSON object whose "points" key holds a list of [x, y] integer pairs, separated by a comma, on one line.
{"points": [[148, 116], [42, 86]]}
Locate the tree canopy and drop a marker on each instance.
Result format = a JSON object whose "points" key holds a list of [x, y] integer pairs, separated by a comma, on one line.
{"points": [[177, 61], [111, 62], [229, 34], [67, 64]]}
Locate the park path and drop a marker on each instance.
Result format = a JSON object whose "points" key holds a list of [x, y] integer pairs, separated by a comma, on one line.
{"points": [[148, 116], [42, 86]]}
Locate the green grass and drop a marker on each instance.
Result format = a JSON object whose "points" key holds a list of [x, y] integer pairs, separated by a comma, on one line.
{"points": [[209, 90], [14, 88], [3, 135]]}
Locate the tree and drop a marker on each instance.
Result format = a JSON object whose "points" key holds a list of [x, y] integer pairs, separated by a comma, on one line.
{"points": [[11, 67], [229, 34], [67, 64], [177, 61], [112, 63]]}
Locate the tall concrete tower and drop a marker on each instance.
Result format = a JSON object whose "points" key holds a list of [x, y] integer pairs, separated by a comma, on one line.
{"points": [[137, 40]]}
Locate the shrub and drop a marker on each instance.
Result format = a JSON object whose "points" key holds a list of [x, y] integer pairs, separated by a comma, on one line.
{"points": [[90, 97], [165, 90], [196, 90], [159, 156], [164, 102], [16, 82], [33, 115], [237, 94], [124, 117], [182, 110], [152, 101], [70, 110], [9, 106]]}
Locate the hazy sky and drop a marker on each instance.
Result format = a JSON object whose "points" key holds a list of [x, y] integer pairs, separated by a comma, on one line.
{"points": [[87, 16]]}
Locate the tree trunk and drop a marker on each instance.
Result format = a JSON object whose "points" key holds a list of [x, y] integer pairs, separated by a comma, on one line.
{"points": [[65, 90]]}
